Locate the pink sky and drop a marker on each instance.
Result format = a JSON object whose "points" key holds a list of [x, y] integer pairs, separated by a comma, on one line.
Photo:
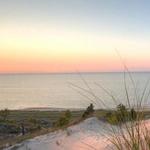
{"points": [[64, 50], [101, 63]]}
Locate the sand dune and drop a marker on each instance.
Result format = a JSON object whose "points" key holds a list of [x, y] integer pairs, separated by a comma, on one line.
{"points": [[87, 135]]}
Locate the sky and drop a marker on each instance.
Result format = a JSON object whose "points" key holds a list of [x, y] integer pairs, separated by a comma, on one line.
{"points": [[74, 35]]}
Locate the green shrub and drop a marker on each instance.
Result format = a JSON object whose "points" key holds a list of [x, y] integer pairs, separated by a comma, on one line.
{"points": [[111, 118], [64, 119], [89, 111], [121, 115], [68, 114]]}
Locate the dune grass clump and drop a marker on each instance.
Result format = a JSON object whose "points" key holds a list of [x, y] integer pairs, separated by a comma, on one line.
{"points": [[128, 128], [133, 132], [132, 135]]}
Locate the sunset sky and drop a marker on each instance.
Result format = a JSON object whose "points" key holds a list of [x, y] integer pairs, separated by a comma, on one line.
{"points": [[71, 35]]}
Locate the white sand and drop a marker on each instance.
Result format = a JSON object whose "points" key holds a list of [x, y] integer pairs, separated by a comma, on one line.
{"points": [[87, 135]]}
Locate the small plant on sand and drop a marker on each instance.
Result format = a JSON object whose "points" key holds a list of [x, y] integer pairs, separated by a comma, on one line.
{"points": [[64, 119]]}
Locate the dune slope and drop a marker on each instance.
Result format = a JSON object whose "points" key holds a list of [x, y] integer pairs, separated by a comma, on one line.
{"points": [[87, 135]]}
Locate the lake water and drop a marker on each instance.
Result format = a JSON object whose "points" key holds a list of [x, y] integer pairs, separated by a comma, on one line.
{"points": [[19, 91]]}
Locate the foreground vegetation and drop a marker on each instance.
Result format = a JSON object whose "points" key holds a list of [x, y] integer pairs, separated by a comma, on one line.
{"points": [[19, 125]]}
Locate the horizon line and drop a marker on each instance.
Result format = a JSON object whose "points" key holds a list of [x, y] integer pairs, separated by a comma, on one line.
{"points": [[86, 72]]}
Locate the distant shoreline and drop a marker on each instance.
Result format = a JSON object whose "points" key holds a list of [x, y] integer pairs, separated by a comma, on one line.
{"points": [[48, 109], [145, 108], [57, 73]]}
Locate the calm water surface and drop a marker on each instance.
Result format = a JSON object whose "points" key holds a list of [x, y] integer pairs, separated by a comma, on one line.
{"points": [[56, 90]]}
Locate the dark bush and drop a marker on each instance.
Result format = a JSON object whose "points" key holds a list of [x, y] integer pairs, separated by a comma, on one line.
{"points": [[122, 113], [133, 114], [89, 111]]}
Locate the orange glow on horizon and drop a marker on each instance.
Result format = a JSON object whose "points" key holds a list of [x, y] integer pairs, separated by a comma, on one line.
{"points": [[50, 50]]}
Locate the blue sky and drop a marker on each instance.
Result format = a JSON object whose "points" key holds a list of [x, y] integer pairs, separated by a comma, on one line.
{"points": [[119, 16]]}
